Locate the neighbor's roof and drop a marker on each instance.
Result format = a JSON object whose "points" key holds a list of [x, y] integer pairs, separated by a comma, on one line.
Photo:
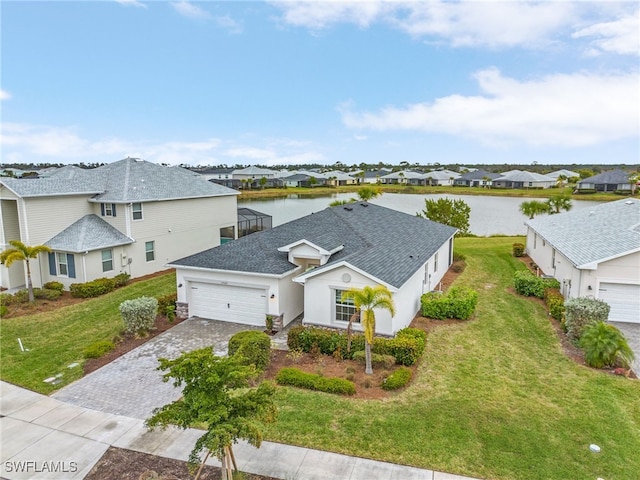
{"points": [[404, 174], [565, 172], [87, 234], [124, 181], [440, 175], [387, 244], [479, 175], [253, 170], [524, 176], [611, 176], [592, 235]]}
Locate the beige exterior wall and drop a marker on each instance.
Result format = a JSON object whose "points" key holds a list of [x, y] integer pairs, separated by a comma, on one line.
{"points": [[44, 217]]}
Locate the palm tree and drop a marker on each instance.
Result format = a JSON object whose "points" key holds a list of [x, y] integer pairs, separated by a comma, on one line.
{"points": [[367, 193], [559, 202], [366, 301], [533, 208], [22, 252]]}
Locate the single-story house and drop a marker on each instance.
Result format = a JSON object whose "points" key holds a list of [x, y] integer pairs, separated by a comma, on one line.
{"points": [[610, 181], [439, 177], [302, 267], [567, 174], [403, 177], [253, 173], [476, 178], [338, 177], [523, 179], [593, 252]]}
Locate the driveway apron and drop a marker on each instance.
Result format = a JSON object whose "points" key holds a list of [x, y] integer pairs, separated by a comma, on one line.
{"points": [[131, 385]]}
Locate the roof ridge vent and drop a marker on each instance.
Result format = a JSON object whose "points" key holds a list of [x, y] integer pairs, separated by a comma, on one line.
{"points": [[348, 209]]}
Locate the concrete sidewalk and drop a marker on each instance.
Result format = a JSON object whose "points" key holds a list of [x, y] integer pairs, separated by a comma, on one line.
{"points": [[44, 438]]}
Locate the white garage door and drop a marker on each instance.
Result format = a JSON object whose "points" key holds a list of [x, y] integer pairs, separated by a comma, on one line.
{"points": [[228, 303], [624, 301]]}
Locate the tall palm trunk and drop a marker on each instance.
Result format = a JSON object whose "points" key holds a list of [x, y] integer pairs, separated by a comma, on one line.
{"points": [[29, 282], [367, 358]]}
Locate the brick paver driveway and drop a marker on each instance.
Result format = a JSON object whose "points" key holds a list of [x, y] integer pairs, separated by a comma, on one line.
{"points": [[131, 385]]}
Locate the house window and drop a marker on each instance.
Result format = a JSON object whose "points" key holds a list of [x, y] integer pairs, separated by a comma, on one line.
{"points": [[345, 308], [435, 262], [535, 241], [108, 209], [149, 250], [63, 265], [107, 260], [553, 258], [227, 234], [136, 208]]}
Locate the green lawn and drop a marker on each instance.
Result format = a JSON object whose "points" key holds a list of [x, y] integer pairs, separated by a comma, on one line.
{"points": [[56, 339], [495, 397]]}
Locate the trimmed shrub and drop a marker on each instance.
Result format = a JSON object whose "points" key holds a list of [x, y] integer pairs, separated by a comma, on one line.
{"points": [[3, 310], [95, 288], [398, 379], [54, 286], [121, 279], [139, 314], [297, 378], [517, 249], [170, 313], [529, 285], [458, 302], [7, 299], [327, 341], [98, 349], [377, 360], [555, 303], [22, 296], [49, 294], [168, 300], [605, 345], [253, 347], [581, 312]]}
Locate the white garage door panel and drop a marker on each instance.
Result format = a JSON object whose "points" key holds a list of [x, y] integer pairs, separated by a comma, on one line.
{"points": [[623, 299], [229, 303]]}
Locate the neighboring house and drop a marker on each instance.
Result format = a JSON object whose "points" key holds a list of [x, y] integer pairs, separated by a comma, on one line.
{"points": [[253, 173], [128, 216], [337, 177], [567, 174], [476, 178], [304, 266], [439, 177], [611, 181], [374, 176], [304, 180], [217, 173], [252, 221], [593, 252], [403, 177], [523, 179]]}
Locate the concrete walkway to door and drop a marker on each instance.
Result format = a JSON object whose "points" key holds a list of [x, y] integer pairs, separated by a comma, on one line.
{"points": [[131, 385]]}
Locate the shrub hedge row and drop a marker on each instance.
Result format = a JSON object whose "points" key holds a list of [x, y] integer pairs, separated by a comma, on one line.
{"points": [[458, 302], [530, 285], [253, 347], [94, 288], [398, 379], [555, 303], [297, 378], [407, 346], [582, 312], [98, 349]]}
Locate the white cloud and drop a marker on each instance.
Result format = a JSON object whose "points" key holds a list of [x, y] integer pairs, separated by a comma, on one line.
{"points": [[4, 95], [131, 3], [620, 36], [561, 110], [189, 10], [229, 24], [460, 23]]}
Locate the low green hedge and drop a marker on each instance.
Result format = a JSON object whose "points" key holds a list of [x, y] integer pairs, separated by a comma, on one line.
{"points": [[377, 359], [555, 303], [407, 346], [98, 349], [253, 346], [530, 285], [458, 302], [54, 286], [398, 379], [121, 279], [95, 288], [297, 378]]}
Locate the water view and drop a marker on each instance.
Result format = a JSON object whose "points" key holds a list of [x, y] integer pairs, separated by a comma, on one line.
{"points": [[489, 215]]}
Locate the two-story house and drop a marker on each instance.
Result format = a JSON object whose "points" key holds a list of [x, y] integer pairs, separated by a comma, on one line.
{"points": [[129, 216]]}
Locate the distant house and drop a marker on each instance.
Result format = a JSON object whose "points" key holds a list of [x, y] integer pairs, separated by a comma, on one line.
{"points": [[217, 173], [439, 177], [403, 177], [593, 252], [374, 176], [304, 266], [522, 179], [610, 181], [337, 177], [562, 173], [304, 180], [476, 178], [128, 216], [253, 173]]}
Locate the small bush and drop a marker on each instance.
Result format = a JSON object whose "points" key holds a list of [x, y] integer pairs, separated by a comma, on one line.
{"points": [[581, 312], [253, 346], [605, 345], [22, 296], [457, 256], [121, 279], [555, 303], [98, 349], [168, 300], [95, 288], [3, 311], [139, 314], [518, 249], [529, 285], [7, 299], [398, 379], [297, 378], [170, 312], [54, 286], [377, 360], [457, 267], [458, 302]]}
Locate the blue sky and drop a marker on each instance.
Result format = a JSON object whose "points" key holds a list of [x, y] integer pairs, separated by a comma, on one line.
{"points": [[298, 82]]}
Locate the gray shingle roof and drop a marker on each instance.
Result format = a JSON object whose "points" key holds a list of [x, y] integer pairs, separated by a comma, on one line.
{"points": [[523, 176], [387, 244], [124, 181], [590, 235], [87, 234], [479, 175], [611, 177]]}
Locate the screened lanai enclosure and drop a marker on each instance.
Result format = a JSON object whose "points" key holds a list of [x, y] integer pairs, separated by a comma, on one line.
{"points": [[251, 221]]}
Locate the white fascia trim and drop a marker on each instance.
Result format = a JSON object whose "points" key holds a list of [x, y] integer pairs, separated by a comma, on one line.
{"points": [[322, 251], [594, 265], [164, 199], [317, 271], [236, 272]]}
